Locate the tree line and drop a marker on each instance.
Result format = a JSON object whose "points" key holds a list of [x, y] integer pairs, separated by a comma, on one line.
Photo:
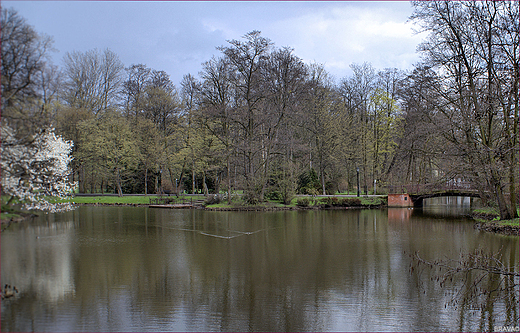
{"points": [[258, 119]]}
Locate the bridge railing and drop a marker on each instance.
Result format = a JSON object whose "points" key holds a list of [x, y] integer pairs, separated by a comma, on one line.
{"points": [[451, 185]]}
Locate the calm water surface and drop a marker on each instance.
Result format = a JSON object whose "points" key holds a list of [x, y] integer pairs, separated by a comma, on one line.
{"points": [[140, 269]]}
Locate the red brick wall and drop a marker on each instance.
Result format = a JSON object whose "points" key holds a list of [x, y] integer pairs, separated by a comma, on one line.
{"points": [[399, 200]]}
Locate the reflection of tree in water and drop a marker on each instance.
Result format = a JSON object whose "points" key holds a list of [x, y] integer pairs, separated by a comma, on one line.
{"points": [[285, 271], [476, 281]]}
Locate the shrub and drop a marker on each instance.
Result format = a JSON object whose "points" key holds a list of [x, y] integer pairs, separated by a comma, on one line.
{"points": [[251, 198], [287, 198], [212, 200], [274, 196], [350, 202], [330, 201], [303, 202]]}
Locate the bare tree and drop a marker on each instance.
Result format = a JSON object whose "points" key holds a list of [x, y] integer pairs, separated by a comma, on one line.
{"points": [[363, 79], [133, 88], [216, 102], [25, 67], [465, 49], [285, 79], [160, 102], [93, 80], [246, 59]]}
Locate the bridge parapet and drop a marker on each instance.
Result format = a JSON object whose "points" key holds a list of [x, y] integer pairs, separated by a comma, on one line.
{"points": [[416, 193], [420, 189]]}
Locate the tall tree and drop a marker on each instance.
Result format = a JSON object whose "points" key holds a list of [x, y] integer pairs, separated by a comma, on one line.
{"points": [[247, 58], [322, 120], [216, 103], [160, 102], [134, 88], [25, 73], [363, 80], [108, 145], [285, 78], [93, 80]]}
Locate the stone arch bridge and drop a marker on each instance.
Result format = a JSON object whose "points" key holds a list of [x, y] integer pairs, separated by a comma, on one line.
{"points": [[414, 195]]}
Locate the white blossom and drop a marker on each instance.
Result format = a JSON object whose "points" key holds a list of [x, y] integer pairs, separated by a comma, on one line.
{"points": [[35, 170]]}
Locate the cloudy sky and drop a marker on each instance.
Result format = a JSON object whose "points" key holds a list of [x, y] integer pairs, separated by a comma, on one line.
{"points": [[177, 36]]}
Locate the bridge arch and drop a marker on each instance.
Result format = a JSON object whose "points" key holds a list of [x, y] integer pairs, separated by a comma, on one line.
{"points": [[418, 199]]}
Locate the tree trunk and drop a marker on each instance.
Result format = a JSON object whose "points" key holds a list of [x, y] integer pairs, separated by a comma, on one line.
{"points": [[501, 201], [118, 184], [204, 185], [146, 181], [92, 184], [229, 180], [81, 179], [323, 182], [193, 178]]}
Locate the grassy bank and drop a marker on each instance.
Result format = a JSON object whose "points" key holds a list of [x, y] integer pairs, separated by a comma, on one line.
{"points": [[113, 200], [488, 219], [306, 202], [491, 214], [8, 212], [297, 202], [11, 213]]}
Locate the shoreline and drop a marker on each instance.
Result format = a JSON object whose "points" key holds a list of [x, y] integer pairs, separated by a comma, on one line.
{"points": [[487, 222], [482, 222], [506, 230]]}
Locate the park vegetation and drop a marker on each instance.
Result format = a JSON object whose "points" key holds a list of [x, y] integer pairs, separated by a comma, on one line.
{"points": [[258, 120]]}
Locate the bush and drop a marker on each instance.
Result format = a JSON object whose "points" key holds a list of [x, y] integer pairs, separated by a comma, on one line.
{"points": [[330, 201], [350, 202], [251, 198], [287, 198], [212, 200], [274, 196], [308, 182], [303, 202]]}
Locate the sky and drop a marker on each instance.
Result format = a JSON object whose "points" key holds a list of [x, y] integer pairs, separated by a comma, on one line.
{"points": [[178, 36]]}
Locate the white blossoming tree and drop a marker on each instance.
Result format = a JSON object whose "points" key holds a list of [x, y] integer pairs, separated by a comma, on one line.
{"points": [[36, 170]]}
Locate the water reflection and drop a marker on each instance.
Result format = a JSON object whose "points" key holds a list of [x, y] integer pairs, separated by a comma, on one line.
{"points": [[449, 206], [140, 269]]}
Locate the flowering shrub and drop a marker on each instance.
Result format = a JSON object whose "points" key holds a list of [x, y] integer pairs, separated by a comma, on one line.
{"points": [[35, 169]]}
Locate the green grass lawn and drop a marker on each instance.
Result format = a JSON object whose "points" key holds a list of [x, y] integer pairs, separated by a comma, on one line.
{"points": [[112, 200], [129, 199]]}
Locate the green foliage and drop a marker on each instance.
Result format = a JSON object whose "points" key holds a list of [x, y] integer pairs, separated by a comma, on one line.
{"points": [[513, 222], [308, 182], [487, 211], [274, 196], [108, 147], [303, 202], [251, 197], [329, 201], [340, 202]]}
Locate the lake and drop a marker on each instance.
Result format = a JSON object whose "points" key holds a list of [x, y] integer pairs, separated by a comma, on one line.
{"points": [[146, 269]]}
